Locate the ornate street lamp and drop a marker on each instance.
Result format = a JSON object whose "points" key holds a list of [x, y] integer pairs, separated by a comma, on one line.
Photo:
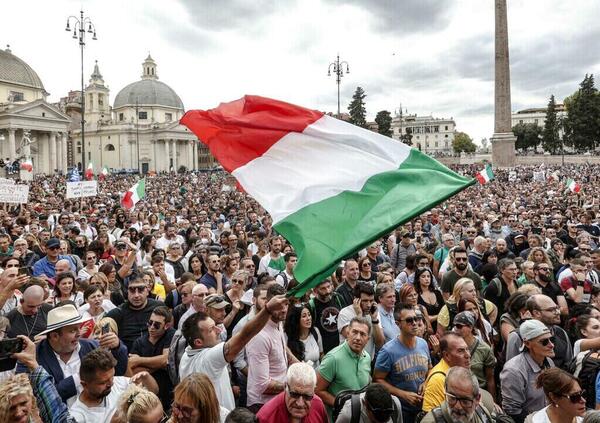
{"points": [[338, 69]]}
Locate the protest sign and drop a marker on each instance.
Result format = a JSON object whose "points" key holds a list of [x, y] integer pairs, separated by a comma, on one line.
{"points": [[81, 189], [17, 194]]}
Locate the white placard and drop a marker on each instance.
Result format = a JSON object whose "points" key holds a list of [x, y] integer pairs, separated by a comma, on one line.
{"points": [[82, 189], [17, 194], [6, 181]]}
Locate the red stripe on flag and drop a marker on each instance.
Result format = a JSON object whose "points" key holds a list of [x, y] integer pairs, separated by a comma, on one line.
{"points": [[480, 178], [127, 202], [240, 131]]}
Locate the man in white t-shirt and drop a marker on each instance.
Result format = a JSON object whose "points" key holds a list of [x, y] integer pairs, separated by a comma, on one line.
{"points": [[207, 354], [101, 388]]}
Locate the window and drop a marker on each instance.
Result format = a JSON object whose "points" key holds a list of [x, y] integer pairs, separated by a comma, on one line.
{"points": [[520, 120], [446, 136], [43, 114], [121, 117], [535, 121], [100, 100], [436, 144], [15, 96], [446, 127], [168, 117], [143, 115], [109, 147], [79, 150]]}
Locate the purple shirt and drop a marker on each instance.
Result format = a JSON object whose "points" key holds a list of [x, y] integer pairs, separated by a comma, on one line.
{"points": [[267, 362]]}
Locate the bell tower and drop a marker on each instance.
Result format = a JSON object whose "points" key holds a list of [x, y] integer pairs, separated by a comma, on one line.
{"points": [[97, 105]]}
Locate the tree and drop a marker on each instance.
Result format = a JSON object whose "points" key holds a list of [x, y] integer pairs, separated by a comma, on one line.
{"points": [[407, 137], [528, 135], [358, 112], [384, 123], [463, 142], [582, 123], [550, 139]]}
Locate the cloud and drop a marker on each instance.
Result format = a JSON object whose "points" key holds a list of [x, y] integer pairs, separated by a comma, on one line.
{"points": [[404, 16]]}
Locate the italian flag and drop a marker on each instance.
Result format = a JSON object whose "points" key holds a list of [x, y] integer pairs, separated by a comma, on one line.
{"points": [[89, 172], [135, 194], [486, 175], [27, 165], [104, 173], [573, 186], [331, 188]]}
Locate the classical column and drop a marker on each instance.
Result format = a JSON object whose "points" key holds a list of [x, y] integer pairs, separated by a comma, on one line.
{"points": [[59, 154], [195, 151], [52, 153], [42, 162], [168, 155], [12, 150], [63, 143], [175, 155], [503, 140]]}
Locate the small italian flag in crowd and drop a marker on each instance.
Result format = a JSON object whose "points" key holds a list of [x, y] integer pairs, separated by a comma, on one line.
{"points": [[27, 165], [89, 172], [104, 173], [135, 194], [486, 175], [573, 186]]}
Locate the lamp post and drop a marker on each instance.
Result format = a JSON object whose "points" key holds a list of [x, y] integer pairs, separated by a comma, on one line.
{"points": [[79, 25], [137, 132], [338, 69]]}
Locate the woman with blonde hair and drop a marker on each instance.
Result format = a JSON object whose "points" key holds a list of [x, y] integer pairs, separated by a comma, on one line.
{"points": [[138, 405], [464, 288], [195, 401], [539, 255]]}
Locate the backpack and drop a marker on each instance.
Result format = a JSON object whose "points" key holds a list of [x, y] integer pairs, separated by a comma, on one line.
{"points": [[496, 282], [483, 414], [585, 367], [355, 405], [285, 279], [176, 351]]}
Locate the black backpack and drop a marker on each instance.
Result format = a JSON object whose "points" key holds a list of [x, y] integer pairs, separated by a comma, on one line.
{"points": [[585, 367], [355, 405], [176, 351]]}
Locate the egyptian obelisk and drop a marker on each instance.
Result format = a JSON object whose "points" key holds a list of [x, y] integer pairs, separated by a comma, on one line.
{"points": [[503, 140]]}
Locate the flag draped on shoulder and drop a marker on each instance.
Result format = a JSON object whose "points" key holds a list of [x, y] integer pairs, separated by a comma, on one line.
{"points": [[330, 187], [573, 186], [89, 172], [486, 175], [135, 194]]}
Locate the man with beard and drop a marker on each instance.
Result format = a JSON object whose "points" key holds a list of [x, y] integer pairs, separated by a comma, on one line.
{"points": [[213, 278], [273, 263], [324, 308], [543, 280], [459, 270], [102, 389], [132, 316], [502, 250], [464, 402]]}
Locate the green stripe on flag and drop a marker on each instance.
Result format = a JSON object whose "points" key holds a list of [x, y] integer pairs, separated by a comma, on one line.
{"points": [[326, 232]]}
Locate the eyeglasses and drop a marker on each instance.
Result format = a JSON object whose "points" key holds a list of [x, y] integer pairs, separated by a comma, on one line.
{"points": [[238, 281], [460, 259], [297, 395], [576, 397], [139, 289], [366, 265], [543, 269], [186, 412], [121, 247], [155, 325], [544, 342], [555, 309], [464, 402], [460, 325], [410, 320]]}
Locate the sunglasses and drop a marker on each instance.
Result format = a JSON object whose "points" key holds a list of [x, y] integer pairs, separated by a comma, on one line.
{"points": [[297, 395], [133, 289], [238, 281], [156, 325], [576, 397], [54, 248], [544, 342], [410, 320], [121, 247], [460, 259]]}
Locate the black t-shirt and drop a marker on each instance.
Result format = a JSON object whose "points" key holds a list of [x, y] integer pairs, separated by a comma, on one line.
{"points": [[345, 292], [27, 325], [325, 316], [551, 289], [491, 294], [144, 348], [132, 323]]}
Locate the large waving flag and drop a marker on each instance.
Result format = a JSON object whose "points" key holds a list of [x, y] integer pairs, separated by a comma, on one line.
{"points": [[89, 172], [135, 194], [573, 186], [486, 175], [330, 187]]}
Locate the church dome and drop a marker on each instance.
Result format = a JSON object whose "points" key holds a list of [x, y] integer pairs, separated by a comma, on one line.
{"points": [[149, 91], [15, 71]]}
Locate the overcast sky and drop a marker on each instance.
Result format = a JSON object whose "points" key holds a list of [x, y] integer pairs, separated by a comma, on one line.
{"points": [[432, 56]]}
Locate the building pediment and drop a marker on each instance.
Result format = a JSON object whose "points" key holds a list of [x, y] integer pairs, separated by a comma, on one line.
{"points": [[39, 110]]}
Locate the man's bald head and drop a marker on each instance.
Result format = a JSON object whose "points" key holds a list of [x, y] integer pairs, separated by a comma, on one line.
{"points": [[32, 300]]}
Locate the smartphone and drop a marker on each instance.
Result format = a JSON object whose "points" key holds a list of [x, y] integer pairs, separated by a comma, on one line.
{"points": [[10, 346], [373, 309], [105, 329], [24, 271]]}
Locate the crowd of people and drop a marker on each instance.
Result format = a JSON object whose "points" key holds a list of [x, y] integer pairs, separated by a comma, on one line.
{"points": [[485, 308]]}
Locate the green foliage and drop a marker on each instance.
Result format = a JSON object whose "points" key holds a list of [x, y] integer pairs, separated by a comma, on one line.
{"points": [[357, 110], [384, 123], [550, 139], [463, 142], [528, 135], [407, 137], [582, 123]]}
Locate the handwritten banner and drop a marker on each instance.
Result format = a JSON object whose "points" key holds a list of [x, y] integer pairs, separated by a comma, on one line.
{"points": [[82, 189], [17, 194]]}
